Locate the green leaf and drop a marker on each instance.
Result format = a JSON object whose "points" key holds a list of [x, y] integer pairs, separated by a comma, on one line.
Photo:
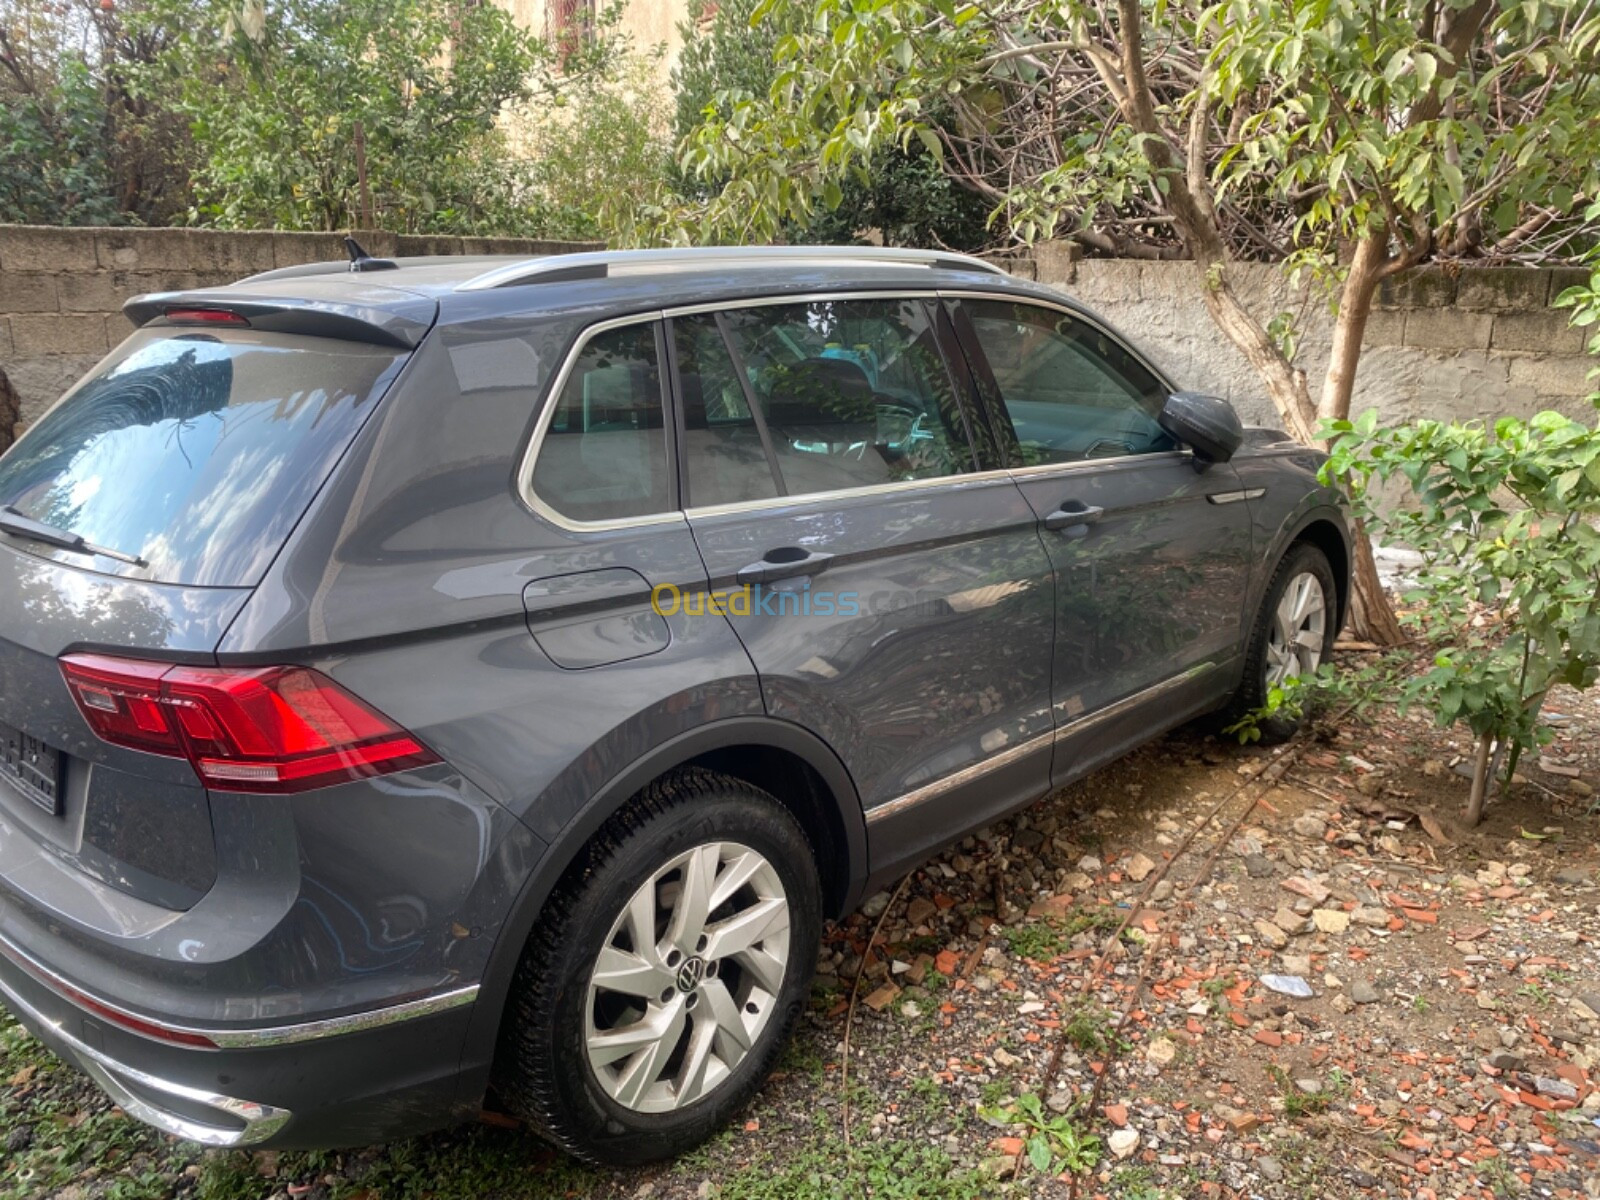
{"points": [[1039, 1152]]}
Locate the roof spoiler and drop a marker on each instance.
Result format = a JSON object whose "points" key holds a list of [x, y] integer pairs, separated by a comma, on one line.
{"points": [[402, 323]]}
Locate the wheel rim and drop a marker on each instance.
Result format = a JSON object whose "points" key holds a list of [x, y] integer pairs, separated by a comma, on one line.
{"points": [[688, 978], [1299, 628]]}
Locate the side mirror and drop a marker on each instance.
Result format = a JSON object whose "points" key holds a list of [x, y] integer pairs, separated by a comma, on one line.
{"points": [[1206, 423]]}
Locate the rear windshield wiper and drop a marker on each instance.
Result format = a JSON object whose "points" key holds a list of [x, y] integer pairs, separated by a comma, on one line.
{"points": [[23, 526]]}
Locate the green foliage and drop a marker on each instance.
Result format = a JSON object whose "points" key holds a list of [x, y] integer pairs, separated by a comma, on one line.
{"points": [[1308, 123], [53, 167], [1337, 687], [274, 91], [1505, 517], [1054, 1142], [902, 190]]}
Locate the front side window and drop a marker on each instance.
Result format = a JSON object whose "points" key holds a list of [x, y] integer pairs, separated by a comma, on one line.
{"points": [[851, 393], [604, 454], [1071, 392]]}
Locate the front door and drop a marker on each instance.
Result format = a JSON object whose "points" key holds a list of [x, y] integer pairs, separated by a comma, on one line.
{"points": [[894, 600], [1151, 556]]}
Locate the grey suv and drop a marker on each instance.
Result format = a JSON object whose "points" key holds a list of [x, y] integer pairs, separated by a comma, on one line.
{"points": [[443, 679]]}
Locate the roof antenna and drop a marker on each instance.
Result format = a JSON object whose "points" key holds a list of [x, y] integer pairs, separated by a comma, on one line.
{"points": [[360, 260]]}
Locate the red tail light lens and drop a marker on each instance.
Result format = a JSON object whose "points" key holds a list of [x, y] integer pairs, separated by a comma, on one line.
{"points": [[262, 729], [204, 316]]}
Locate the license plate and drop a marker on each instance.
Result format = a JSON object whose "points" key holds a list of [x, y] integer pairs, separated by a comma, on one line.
{"points": [[32, 767]]}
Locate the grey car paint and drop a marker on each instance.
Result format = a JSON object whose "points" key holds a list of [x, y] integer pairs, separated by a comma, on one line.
{"points": [[524, 652]]}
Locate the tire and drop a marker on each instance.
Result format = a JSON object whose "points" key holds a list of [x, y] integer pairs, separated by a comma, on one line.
{"points": [[1264, 656], [625, 1107]]}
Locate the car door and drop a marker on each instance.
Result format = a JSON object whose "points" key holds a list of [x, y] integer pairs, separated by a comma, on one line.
{"points": [[1151, 548], [895, 599]]}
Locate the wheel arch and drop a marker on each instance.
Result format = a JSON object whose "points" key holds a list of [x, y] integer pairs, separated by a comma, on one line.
{"points": [[1333, 539], [795, 765]]}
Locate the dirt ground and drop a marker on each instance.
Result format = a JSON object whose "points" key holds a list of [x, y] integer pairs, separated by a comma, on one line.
{"points": [[1449, 1046]]}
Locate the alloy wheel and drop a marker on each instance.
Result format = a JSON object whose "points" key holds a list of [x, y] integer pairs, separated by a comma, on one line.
{"points": [[1298, 631], [688, 978]]}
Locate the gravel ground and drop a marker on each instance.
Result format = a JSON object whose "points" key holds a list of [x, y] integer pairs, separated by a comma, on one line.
{"points": [[1449, 1045]]}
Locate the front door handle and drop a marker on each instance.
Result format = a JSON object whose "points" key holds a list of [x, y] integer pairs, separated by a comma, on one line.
{"points": [[1072, 513], [785, 562]]}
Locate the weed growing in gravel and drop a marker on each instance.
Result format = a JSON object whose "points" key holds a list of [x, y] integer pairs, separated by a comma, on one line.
{"points": [[1054, 1143], [1298, 1103], [1090, 1030]]}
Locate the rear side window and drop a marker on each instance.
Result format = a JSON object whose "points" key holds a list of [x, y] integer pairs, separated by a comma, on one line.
{"points": [[196, 452], [604, 453], [727, 460], [853, 393]]}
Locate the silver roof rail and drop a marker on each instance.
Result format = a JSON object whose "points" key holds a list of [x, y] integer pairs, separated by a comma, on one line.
{"points": [[598, 264]]}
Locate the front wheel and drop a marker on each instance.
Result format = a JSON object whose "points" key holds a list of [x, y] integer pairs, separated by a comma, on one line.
{"points": [[1292, 636], [666, 975]]}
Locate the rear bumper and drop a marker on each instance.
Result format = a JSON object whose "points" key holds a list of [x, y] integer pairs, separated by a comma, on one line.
{"points": [[351, 1080]]}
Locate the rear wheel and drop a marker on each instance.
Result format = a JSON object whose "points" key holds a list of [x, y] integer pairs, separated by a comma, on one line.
{"points": [[1292, 636], [666, 974]]}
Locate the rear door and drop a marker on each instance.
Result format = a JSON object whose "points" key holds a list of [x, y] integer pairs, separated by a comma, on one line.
{"points": [[895, 599], [1151, 556]]}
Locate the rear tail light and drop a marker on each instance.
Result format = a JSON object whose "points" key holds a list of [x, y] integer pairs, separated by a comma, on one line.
{"points": [[259, 729], [203, 316]]}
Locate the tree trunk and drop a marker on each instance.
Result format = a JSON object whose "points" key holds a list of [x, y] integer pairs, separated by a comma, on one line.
{"points": [[1480, 780], [10, 413], [1372, 618]]}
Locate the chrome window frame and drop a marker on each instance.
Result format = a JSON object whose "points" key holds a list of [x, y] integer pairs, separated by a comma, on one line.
{"points": [[679, 515]]}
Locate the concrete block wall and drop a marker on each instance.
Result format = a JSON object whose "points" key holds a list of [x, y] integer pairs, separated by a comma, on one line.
{"points": [[62, 290], [1473, 342]]}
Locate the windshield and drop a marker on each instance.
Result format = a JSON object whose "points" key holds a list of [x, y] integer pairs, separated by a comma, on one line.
{"points": [[196, 452]]}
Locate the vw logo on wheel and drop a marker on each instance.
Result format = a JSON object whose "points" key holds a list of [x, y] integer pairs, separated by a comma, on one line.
{"points": [[691, 973]]}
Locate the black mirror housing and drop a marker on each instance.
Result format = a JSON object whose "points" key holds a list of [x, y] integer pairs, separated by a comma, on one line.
{"points": [[1208, 424]]}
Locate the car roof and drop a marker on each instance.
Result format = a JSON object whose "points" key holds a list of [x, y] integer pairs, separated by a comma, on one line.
{"points": [[409, 294]]}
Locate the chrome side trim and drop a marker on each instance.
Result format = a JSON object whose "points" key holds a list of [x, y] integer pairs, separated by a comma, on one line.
{"points": [[957, 778], [840, 494], [231, 1039], [1006, 757], [259, 1121], [1118, 708], [646, 262], [780, 299], [1234, 497], [1041, 470]]}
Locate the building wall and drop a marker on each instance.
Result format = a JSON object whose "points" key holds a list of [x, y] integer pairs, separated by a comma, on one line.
{"points": [[1477, 342], [62, 290], [650, 22]]}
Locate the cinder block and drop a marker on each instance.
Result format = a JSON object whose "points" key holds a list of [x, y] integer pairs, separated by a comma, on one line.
{"points": [[45, 248], [296, 249], [146, 249], [58, 333], [1562, 278], [1056, 261], [411, 245], [6, 352], [1503, 289], [41, 381], [1422, 287], [1385, 327], [235, 253], [1549, 375], [142, 283], [91, 291], [1448, 329], [28, 292], [1548, 331]]}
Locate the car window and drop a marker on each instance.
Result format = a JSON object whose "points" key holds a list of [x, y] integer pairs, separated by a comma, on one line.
{"points": [[726, 462], [604, 454], [1071, 392], [197, 452], [853, 392]]}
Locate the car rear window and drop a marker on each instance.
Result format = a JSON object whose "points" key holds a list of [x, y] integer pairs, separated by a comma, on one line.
{"points": [[196, 452]]}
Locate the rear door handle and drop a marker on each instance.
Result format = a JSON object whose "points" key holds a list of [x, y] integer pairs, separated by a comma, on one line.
{"points": [[1073, 513], [785, 562]]}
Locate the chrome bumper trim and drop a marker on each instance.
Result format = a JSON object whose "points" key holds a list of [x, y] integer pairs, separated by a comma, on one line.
{"points": [[224, 1038], [259, 1121]]}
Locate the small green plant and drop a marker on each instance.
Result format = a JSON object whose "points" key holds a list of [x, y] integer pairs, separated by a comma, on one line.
{"points": [[1334, 687], [1090, 1030], [1419, 1003], [1298, 1103], [1539, 995], [1054, 1142]]}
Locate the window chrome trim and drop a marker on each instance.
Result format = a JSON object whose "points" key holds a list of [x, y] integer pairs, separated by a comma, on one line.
{"points": [[232, 1039], [841, 494], [547, 412], [779, 300], [1050, 470]]}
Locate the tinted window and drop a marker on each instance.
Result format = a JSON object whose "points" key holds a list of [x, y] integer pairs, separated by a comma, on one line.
{"points": [[197, 452], [1072, 392], [726, 461], [853, 392], [604, 455]]}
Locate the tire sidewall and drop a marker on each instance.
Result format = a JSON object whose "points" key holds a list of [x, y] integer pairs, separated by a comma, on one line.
{"points": [[607, 1129], [1300, 560]]}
